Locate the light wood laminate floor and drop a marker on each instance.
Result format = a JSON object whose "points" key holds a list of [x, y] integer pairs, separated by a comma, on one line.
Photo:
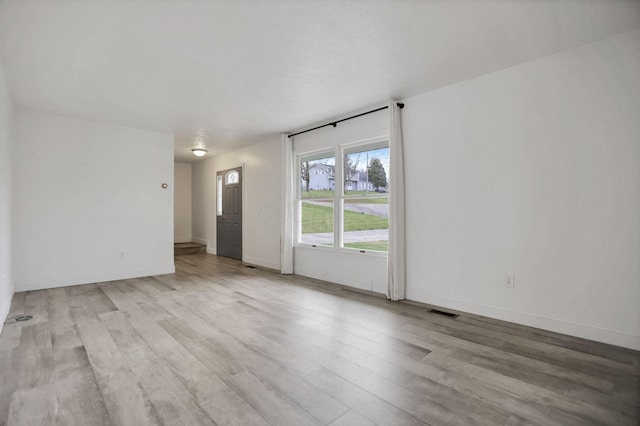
{"points": [[221, 343]]}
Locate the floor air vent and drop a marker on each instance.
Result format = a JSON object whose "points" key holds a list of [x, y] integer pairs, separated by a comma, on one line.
{"points": [[18, 318], [250, 266], [21, 318], [443, 313]]}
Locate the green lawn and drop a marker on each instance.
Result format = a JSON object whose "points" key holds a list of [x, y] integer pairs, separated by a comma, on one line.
{"points": [[369, 245], [366, 200], [356, 221], [317, 219], [325, 193]]}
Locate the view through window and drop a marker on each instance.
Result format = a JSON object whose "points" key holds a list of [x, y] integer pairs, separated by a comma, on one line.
{"points": [[362, 189], [366, 198], [317, 191]]}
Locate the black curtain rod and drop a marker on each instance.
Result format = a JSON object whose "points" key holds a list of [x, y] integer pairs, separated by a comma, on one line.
{"points": [[335, 123]]}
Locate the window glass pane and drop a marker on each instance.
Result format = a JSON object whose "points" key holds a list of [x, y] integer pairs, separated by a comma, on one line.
{"points": [[317, 222], [317, 176], [233, 177], [219, 196], [366, 223], [366, 171]]}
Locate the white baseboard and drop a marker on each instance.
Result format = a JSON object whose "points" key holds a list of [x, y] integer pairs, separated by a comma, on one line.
{"points": [[65, 282], [311, 273], [199, 241], [265, 263], [584, 331], [183, 239]]}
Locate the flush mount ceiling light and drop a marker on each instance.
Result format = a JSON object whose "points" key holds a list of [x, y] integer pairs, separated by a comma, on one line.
{"points": [[199, 152]]}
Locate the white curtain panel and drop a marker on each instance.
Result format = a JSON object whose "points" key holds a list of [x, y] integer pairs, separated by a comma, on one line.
{"points": [[286, 239], [396, 257]]}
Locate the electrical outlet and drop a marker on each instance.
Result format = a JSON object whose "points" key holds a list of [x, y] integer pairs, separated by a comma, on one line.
{"points": [[510, 281]]}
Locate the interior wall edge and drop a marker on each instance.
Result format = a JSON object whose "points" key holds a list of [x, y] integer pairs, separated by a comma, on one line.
{"points": [[7, 288], [182, 207]]}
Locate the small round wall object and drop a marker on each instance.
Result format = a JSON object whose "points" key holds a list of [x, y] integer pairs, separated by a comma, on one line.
{"points": [[165, 186]]}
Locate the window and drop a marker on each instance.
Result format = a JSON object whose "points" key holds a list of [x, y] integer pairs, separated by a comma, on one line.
{"points": [[352, 193], [219, 196], [232, 177], [316, 199], [365, 199]]}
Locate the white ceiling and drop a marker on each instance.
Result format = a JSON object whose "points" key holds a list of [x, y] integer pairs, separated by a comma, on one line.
{"points": [[237, 72]]}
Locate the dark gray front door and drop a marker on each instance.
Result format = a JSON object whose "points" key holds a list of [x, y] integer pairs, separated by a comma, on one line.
{"points": [[229, 217]]}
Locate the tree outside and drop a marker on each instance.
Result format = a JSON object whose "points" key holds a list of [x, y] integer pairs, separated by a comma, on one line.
{"points": [[377, 174], [304, 172]]}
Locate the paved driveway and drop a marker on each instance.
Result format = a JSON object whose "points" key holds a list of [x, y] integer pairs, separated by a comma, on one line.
{"points": [[381, 210]]}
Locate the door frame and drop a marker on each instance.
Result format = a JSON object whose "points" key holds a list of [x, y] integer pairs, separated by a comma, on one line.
{"points": [[215, 209]]}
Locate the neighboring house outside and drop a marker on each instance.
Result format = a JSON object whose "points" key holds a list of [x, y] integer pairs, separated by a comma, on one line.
{"points": [[321, 176], [363, 184], [357, 181]]}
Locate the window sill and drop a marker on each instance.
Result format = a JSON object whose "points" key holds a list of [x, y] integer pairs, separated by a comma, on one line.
{"points": [[341, 251]]}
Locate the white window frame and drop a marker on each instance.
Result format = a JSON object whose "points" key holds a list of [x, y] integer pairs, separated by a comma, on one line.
{"points": [[318, 154], [339, 196]]}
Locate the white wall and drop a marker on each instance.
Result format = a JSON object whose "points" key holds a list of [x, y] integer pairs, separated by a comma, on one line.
{"points": [[88, 205], [182, 203], [533, 170], [367, 271], [6, 286], [261, 194]]}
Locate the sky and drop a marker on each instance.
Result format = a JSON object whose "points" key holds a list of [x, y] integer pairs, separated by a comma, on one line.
{"points": [[365, 158]]}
